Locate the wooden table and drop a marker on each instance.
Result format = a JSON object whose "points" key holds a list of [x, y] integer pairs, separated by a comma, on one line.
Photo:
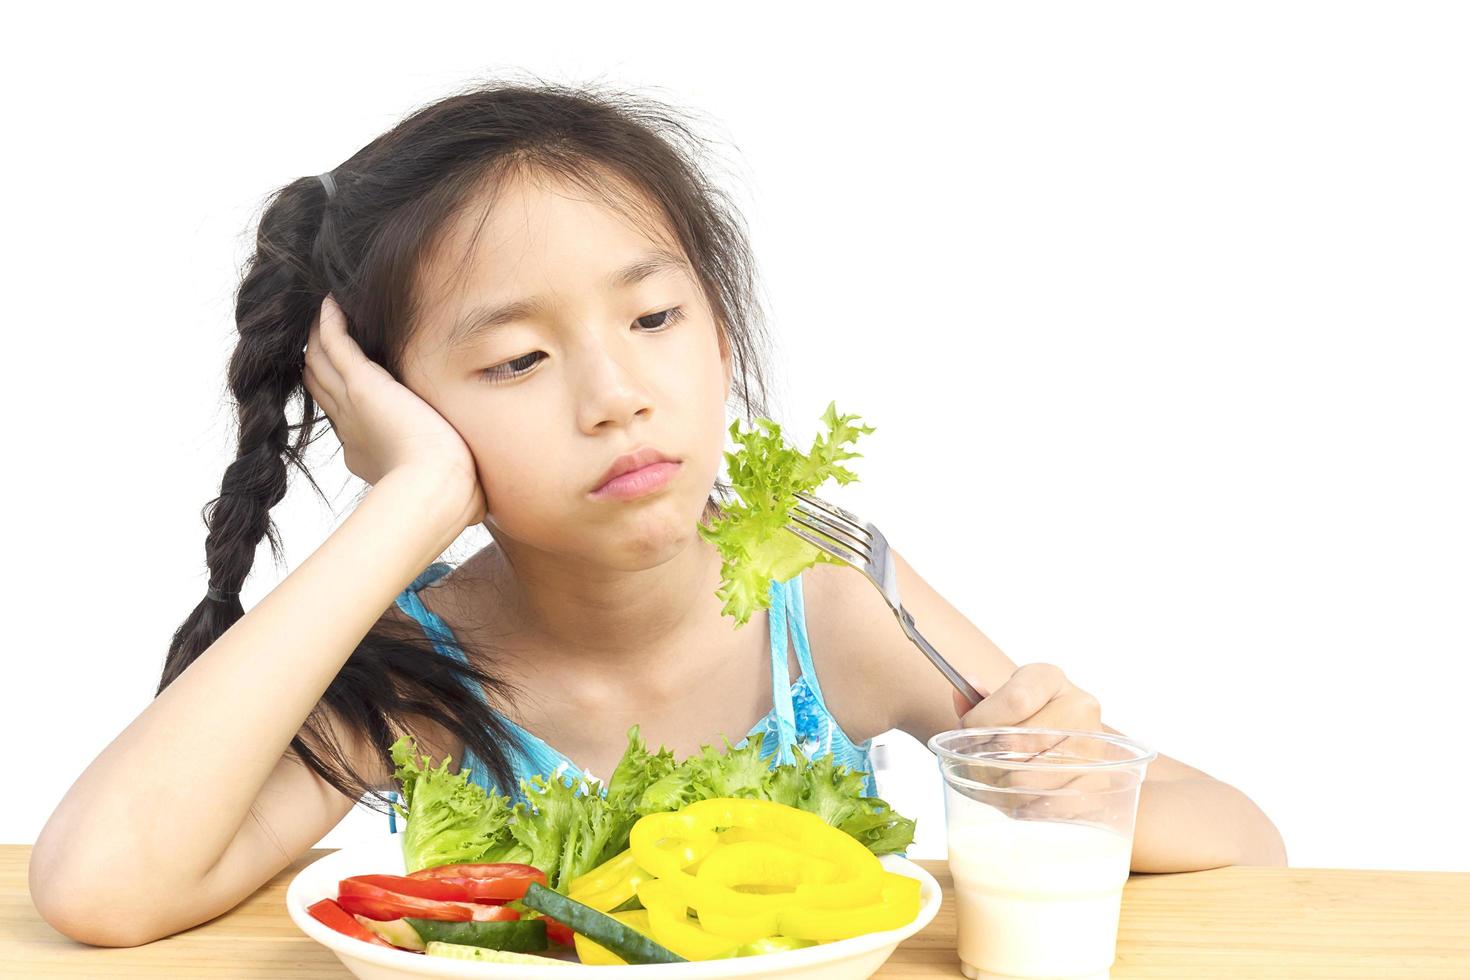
{"points": [[1229, 923]]}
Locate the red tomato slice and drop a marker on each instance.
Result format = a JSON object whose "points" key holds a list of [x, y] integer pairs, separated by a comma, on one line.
{"points": [[398, 907], [332, 915], [487, 882], [375, 902], [557, 932], [492, 913], [443, 890]]}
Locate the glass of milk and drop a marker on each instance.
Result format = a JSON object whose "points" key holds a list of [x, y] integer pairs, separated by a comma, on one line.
{"points": [[1040, 829]]}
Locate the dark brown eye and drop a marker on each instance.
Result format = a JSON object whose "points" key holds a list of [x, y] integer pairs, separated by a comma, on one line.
{"points": [[670, 316], [512, 369]]}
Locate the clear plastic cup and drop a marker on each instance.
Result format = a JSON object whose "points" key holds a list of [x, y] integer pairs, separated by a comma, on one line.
{"points": [[1040, 830]]}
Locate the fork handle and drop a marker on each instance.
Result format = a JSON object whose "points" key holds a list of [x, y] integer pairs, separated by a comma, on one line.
{"points": [[973, 696]]}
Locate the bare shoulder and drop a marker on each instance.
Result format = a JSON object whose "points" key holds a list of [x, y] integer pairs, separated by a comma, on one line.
{"points": [[837, 614], [878, 679]]}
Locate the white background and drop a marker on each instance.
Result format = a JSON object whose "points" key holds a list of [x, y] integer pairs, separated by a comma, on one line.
{"points": [[1160, 311]]}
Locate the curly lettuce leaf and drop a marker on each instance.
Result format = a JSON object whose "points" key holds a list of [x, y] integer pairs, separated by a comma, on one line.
{"points": [[449, 820], [567, 833], [880, 829], [835, 793], [767, 474], [563, 829], [637, 770]]}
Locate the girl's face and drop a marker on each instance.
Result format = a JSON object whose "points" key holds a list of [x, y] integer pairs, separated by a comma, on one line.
{"points": [[588, 369]]}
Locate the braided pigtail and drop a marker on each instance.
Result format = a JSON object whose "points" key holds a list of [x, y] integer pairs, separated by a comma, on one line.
{"points": [[273, 311], [395, 674]]}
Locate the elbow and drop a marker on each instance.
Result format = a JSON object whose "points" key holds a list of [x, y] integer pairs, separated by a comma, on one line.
{"points": [[74, 905], [83, 919], [1266, 848], [1258, 841], [1202, 825]]}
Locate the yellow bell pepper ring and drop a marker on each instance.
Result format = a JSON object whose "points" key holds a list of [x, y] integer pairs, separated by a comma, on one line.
{"points": [[658, 894], [802, 831], [668, 917], [595, 954], [739, 835], [739, 820], [666, 843], [753, 877], [899, 905], [763, 866], [825, 867], [610, 884], [742, 928], [605, 875], [799, 859]]}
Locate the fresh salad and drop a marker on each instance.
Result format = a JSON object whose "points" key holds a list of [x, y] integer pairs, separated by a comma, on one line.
{"points": [[767, 474], [718, 855]]}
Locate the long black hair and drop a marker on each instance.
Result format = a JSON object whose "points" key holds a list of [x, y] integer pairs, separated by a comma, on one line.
{"points": [[366, 244]]}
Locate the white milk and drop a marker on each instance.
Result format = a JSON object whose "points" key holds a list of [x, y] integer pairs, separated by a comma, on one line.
{"points": [[1034, 898]]}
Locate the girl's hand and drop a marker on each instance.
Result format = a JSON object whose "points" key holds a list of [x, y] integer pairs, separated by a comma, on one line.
{"points": [[382, 424], [1035, 696], [1041, 696]]}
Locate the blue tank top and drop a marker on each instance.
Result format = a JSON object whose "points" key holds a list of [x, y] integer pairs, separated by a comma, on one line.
{"points": [[799, 716]]}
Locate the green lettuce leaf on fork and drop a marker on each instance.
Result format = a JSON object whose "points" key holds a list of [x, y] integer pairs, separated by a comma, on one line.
{"points": [[567, 830], [766, 474]]}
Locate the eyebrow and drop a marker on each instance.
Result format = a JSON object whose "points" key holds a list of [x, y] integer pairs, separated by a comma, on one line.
{"points": [[479, 321]]}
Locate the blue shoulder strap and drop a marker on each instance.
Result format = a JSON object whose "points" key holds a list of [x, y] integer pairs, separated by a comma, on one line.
{"points": [[781, 674], [799, 638], [413, 606]]}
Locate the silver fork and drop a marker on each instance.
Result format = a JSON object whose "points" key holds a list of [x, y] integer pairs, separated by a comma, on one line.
{"points": [[849, 538]]}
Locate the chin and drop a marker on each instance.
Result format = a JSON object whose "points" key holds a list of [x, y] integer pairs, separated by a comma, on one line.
{"points": [[651, 532]]}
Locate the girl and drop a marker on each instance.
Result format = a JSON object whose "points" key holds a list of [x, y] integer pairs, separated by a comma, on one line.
{"points": [[513, 295]]}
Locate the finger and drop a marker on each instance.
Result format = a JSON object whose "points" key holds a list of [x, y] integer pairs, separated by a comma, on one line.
{"points": [[1087, 795], [1052, 769], [318, 394], [1074, 710], [319, 361], [335, 340], [1025, 693], [962, 704]]}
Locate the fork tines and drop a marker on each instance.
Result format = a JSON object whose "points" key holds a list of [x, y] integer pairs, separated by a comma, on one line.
{"points": [[844, 534]]}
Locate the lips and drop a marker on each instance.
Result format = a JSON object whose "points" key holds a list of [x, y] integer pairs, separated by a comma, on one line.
{"points": [[629, 462]]}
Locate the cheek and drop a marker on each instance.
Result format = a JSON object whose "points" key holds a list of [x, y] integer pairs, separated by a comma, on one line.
{"points": [[529, 471], [705, 394], [696, 375], [505, 458]]}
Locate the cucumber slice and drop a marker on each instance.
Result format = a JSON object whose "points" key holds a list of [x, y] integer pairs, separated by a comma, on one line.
{"points": [[516, 936], [396, 931], [607, 932], [455, 951]]}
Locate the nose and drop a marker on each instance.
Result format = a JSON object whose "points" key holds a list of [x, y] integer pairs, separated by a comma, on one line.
{"points": [[610, 392]]}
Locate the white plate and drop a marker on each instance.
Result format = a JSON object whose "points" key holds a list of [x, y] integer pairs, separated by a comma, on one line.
{"points": [[847, 959]]}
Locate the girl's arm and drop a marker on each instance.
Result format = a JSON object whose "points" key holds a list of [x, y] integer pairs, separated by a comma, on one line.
{"points": [[1187, 820], [197, 803]]}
